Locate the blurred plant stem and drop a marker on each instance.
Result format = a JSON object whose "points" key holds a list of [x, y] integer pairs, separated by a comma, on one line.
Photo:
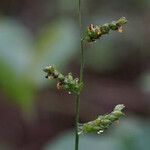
{"points": [[81, 76]]}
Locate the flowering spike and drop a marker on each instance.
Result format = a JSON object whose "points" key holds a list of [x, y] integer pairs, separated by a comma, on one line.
{"points": [[95, 32], [102, 122], [67, 82]]}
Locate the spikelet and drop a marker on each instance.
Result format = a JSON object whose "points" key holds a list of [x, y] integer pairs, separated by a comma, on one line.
{"points": [[102, 123], [95, 32], [67, 82]]}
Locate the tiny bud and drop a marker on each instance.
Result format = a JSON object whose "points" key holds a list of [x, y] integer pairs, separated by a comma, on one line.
{"points": [[113, 26], [69, 76], [90, 27], [121, 21], [98, 33], [120, 29], [119, 107], [59, 86], [47, 69], [76, 80], [117, 113], [105, 28], [50, 77]]}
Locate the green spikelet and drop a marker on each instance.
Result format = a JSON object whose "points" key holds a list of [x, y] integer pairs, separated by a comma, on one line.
{"points": [[67, 82], [102, 122], [95, 32]]}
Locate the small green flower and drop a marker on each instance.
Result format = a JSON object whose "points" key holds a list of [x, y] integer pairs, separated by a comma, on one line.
{"points": [[102, 122], [95, 32], [67, 82]]}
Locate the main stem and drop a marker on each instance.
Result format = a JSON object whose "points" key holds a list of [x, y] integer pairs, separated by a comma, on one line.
{"points": [[81, 77]]}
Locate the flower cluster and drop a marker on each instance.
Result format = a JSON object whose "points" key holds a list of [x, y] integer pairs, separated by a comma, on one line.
{"points": [[102, 122], [67, 82], [95, 32]]}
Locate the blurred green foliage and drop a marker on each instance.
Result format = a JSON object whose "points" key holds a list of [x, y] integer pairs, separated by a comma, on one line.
{"points": [[15, 58]]}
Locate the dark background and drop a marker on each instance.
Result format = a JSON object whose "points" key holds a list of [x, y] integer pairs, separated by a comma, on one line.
{"points": [[34, 115]]}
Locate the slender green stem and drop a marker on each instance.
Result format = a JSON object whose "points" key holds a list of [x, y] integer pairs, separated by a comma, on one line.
{"points": [[82, 61], [81, 77], [77, 120], [80, 15]]}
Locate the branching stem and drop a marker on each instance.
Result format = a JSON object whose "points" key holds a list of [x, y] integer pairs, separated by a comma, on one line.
{"points": [[81, 76]]}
